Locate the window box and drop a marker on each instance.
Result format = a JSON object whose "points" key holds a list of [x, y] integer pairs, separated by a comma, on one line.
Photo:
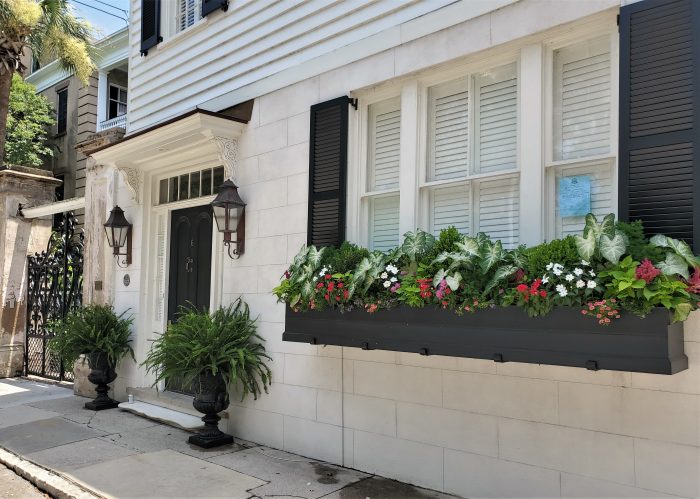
{"points": [[564, 337]]}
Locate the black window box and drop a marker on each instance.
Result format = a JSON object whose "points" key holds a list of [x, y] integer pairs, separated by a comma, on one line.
{"points": [[564, 337]]}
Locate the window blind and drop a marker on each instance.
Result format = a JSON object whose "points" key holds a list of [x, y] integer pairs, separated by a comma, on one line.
{"points": [[384, 222], [448, 142], [499, 209], [384, 144], [450, 206]]}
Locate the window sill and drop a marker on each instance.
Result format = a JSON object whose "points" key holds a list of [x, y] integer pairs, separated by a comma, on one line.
{"points": [[59, 135], [178, 37]]}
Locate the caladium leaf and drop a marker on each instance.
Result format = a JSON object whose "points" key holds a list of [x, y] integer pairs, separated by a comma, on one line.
{"points": [[491, 254], [680, 247], [586, 245], [612, 248], [674, 264], [307, 289], [501, 274], [416, 243], [607, 226], [439, 277], [469, 246], [453, 281]]}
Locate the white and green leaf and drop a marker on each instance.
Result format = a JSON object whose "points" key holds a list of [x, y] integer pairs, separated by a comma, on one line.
{"points": [[501, 274], [612, 248], [674, 265], [586, 245]]}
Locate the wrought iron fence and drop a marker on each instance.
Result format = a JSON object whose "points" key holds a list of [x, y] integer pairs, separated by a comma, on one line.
{"points": [[54, 287]]}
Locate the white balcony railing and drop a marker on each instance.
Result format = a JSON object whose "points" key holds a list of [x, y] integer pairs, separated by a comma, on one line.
{"points": [[118, 122]]}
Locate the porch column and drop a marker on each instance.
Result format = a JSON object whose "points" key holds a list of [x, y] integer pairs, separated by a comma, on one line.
{"points": [[19, 237], [102, 97]]}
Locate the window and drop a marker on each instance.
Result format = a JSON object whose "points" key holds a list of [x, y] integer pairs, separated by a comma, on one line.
{"points": [[117, 101], [382, 189], [472, 181], [190, 185], [188, 13], [62, 111], [582, 133]]}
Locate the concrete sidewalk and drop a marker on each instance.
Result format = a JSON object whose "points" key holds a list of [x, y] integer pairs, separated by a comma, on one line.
{"points": [[48, 437]]}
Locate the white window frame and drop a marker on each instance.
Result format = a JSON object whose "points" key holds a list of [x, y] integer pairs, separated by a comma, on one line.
{"points": [[170, 26], [607, 28]]}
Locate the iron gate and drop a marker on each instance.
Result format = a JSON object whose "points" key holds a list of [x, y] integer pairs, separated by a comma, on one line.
{"points": [[54, 287]]}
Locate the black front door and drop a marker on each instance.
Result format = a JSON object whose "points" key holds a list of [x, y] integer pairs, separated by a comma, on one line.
{"points": [[190, 266]]}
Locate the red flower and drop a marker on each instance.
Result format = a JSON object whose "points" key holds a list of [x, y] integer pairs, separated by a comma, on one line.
{"points": [[522, 288], [328, 276], [646, 271], [543, 293], [340, 285], [345, 294], [535, 285], [331, 286], [694, 282]]}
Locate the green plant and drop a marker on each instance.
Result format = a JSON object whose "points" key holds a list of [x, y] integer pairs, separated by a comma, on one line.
{"points": [[297, 286], [345, 258], [678, 258], [223, 342], [561, 251], [638, 246], [92, 329], [601, 241]]}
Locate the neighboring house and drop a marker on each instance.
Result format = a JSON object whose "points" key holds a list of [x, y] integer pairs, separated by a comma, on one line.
{"points": [[84, 110], [466, 113]]}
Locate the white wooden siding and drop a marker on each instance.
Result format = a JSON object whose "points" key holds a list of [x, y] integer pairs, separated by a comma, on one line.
{"points": [[257, 39]]}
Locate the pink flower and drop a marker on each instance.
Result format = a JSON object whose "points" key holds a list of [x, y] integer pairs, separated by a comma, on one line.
{"points": [[646, 271]]}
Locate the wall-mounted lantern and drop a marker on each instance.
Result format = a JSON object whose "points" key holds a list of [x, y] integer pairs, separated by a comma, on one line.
{"points": [[229, 213], [118, 230]]}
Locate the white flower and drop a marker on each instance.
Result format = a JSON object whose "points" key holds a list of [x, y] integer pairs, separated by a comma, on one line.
{"points": [[580, 283], [592, 273], [393, 279], [561, 289], [578, 271], [584, 262], [393, 269], [591, 284], [557, 271], [569, 277], [545, 279], [387, 284], [384, 275], [549, 266], [322, 273], [315, 278]]}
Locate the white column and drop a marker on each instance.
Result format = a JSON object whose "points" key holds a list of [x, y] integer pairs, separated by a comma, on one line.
{"points": [[102, 96], [408, 205], [532, 174]]}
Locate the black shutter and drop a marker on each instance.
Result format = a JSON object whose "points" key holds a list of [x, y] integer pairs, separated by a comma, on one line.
{"points": [[660, 117], [328, 158], [150, 24], [209, 6]]}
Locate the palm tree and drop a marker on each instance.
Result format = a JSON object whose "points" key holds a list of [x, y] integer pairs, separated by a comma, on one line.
{"points": [[51, 31]]}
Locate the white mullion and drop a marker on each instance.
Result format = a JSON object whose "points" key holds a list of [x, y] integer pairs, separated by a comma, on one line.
{"points": [[408, 158]]}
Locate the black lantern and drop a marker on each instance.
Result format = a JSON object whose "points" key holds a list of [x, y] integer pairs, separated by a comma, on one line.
{"points": [[118, 230], [229, 213]]}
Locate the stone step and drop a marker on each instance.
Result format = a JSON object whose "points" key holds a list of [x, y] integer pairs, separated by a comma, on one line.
{"points": [[164, 415], [170, 400]]}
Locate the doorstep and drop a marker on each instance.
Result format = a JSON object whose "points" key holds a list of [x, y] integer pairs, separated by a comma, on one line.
{"points": [[163, 415]]}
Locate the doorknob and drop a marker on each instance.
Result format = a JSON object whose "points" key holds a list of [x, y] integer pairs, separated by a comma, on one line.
{"points": [[188, 264]]}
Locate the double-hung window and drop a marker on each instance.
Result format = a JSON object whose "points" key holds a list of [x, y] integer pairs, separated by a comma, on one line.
{"points": [[117, 101], [581, 166], [472, 179]]}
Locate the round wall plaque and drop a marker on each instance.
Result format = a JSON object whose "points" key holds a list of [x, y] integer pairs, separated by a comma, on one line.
{"points": [[127, 280]]}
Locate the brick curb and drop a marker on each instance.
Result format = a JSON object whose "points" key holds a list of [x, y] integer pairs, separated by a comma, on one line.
{"points": [[46, 479]]}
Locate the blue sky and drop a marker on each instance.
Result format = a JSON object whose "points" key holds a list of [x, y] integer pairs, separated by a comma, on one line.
{"points": [[101, 14]]}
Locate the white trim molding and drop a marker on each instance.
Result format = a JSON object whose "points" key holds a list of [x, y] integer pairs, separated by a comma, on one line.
{"points": [[53, 208]]}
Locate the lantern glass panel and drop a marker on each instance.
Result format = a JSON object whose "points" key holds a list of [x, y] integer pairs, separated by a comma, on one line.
{"points": [[110, 236], [120, 234]]}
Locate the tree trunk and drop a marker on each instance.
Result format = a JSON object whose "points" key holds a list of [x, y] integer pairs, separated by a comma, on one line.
{"points": [[5, 85]]}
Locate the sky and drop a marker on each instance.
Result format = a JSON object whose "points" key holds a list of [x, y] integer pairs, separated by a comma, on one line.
{"points": [[107, 16]]}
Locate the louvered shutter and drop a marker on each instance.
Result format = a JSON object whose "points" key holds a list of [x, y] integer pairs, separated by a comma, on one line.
{"points": [[499, 209], [448, 145], [150, 25], [582, 99], [384, 223], [328, 146], [209, 6], [659, 117], [496, 120], [450, 207], [384, 145]]}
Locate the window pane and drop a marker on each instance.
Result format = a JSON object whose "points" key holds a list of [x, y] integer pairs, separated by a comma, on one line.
{"points": [[194, 185], [384, 145], [499, 209], [172, 192], [601, 195], [206, 182], [218, 178], [163, 191], [582, 99], [496, 119], [113, 109], [384, 223], [184, 186], [450, 206], [448, 138], [113, 92], [62, 111]]}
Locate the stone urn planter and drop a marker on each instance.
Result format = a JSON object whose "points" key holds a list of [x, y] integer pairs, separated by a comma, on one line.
{"points": [[210, 398], [102, 373]]}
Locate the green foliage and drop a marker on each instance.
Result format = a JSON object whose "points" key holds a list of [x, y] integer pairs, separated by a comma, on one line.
{"points": [[600, 240], [92, 329], [345, 258], [28, 119], [224, 342], [641, 297], [297, 286], [638, 246], [562, 251], [678, 259]]}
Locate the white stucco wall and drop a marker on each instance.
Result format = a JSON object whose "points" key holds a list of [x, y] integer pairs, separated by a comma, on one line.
{"points": [[464, 426]]}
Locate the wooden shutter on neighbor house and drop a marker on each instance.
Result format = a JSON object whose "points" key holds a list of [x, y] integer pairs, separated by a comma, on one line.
{"points": [[209, 6], [328, 157], [660, 117], [150, 25]]}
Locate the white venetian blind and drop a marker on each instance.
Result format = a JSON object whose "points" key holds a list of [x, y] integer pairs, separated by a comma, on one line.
{"points": [[582, 99], [384, 223], [601, 177], [448, 140], [384, 145], [159, 297], [497, 119], [188, 13], [499, 205], [450, 207]]}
